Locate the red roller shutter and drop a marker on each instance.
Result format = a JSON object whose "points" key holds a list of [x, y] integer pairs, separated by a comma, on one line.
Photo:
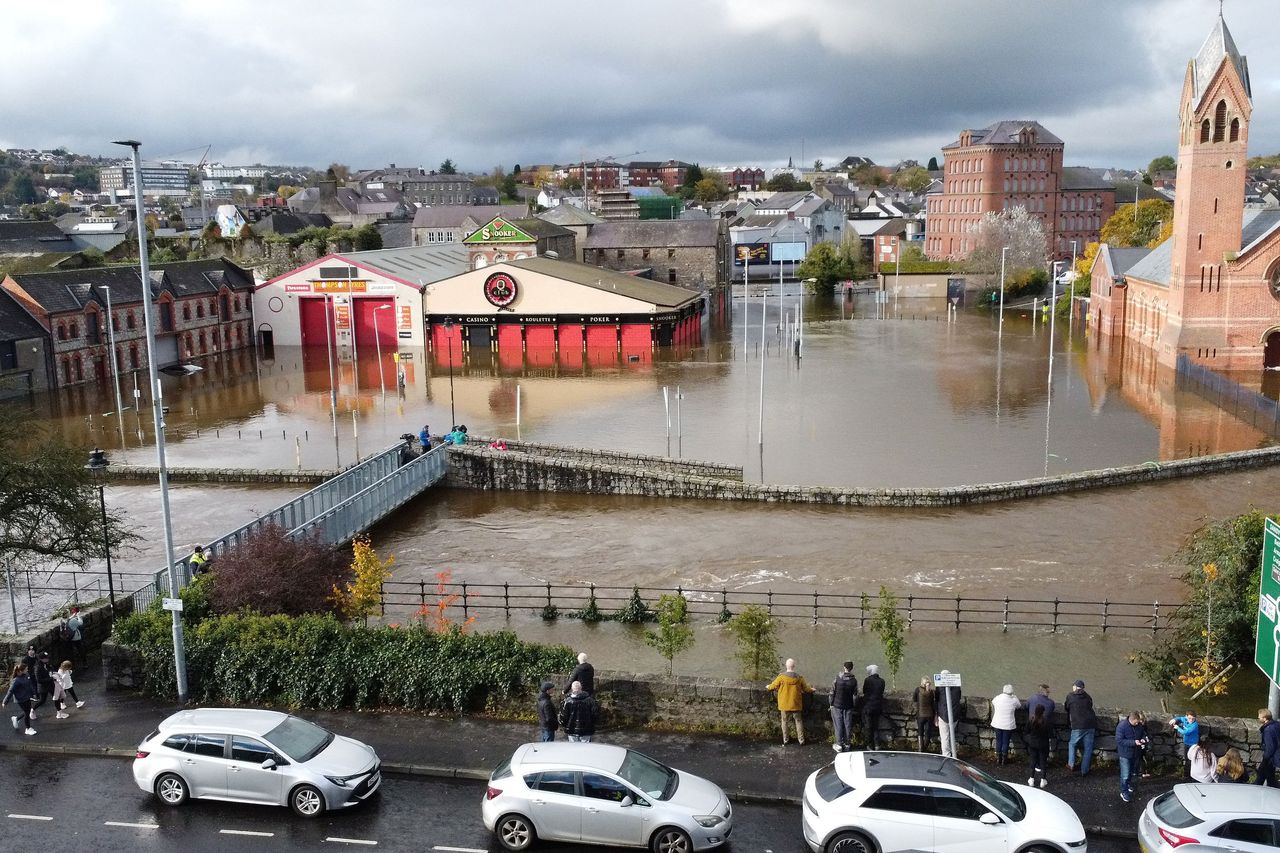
{"points": [[313, 322], [602, 337], [637, 339], [571, 345], [540, 337], [509, 338], [383, 324]]}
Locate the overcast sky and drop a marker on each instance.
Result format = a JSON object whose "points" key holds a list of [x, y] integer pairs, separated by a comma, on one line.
{"points": [[721, 82]]}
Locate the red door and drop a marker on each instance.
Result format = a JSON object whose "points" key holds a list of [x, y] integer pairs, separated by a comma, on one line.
{"points": [[380, 326], [314, 322], [602, 337], [510, 339]]}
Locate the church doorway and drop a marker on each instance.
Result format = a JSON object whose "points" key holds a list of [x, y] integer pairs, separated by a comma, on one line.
{"points": [[1271, 356]]}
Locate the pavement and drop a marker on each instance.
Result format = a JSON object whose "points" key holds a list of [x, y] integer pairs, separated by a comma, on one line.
{"points": [[469, 747]]}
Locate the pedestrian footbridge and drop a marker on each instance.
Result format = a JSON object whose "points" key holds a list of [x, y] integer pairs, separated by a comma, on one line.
{"points": [[335, 511]]}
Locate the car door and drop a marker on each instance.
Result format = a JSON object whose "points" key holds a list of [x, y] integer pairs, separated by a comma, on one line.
{"points": [[204, 765], [1247, 835], [605, 820], [899, 816], [957, 827], [246, 778], [555, 807]]}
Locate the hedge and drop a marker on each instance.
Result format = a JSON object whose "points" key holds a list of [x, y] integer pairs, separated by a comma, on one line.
{"points": [[890, 267], [315, 661]]}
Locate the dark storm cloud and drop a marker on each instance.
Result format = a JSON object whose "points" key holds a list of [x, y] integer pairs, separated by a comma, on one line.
{"points": [[714, 81]]}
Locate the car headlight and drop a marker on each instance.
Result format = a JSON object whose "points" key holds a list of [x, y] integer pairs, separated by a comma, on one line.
{"points": [[708, 820], [343, 781]]}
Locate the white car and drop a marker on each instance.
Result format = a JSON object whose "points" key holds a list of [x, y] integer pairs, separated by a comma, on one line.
{"points": [[602, 794], [1204, 818], [248, 756], [880, 802]]}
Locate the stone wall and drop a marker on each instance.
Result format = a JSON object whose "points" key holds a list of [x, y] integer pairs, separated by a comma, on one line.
{"points": [[587, 455], [475, 466], [121, 667], [145, 474], [97, 628]]}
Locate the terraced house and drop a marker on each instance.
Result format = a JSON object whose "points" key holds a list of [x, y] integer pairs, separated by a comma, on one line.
{"points": [[200, 308]]}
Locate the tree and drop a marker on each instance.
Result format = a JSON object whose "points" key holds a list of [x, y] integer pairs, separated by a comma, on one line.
{"points": [[817, 165], [572, 183], [890, 627], [854, 258], [933, 164], [22, 189], [515, 170], [338, 172], [1128, 227], [447, 167], [271, 573], [756, 635], [868, 175], [287, 191], [1016, 229], [915, 179], [509, 188], [1163, 163], [710, 189], [692, 175], [366, 238], [825, 265], [783, 182], [49, 510], [362, 597], [674, 634], [542, 177]]}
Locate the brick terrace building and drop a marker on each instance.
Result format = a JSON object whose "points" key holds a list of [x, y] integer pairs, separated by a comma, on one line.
{"points": [[1212, 290], [690, 253], [1014, 164], [201, 307]]}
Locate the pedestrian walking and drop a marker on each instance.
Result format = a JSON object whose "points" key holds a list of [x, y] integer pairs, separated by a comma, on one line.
{"points": [[947, 702], [922, 703], [424, 438], [64, 686], [21, 691], [1039, 730], [1004, 712], [791, 688], [844, 693], [1204, 764], [1188, 727], [1231, 767], [584, 674], [578, 714], [548, 720], [1127, 746], [75, 631], [43, 677], [1084, 727], [1270, 731], [872, 706]]}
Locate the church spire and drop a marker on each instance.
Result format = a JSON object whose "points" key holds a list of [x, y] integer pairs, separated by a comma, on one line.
{"points": [[1219, 45]]}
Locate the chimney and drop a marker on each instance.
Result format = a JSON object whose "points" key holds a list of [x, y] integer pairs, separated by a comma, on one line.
{"points": [[328, 189], [791, 214], [392, 166]]}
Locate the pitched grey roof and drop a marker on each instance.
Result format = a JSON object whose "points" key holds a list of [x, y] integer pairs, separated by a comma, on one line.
{"points": [[1258, 224], [1083, 178], [1121, 260], [653, 233], [660, 295], [15, 323], [32, 237], [454, 215], [395, 235], [1006, 133], [569, 214], [288, 222], [1219, 45], [71, 290], [422, 264], [1155, 267], [784, 201]]}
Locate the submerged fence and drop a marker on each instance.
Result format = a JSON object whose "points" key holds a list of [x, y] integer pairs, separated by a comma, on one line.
{"points": [[1257, 410], [597, 603]]}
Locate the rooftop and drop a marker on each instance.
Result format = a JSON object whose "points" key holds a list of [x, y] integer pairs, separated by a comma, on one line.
{"points": [[420, 264], [1218, 45], [661, 296], [1007, 133], [653, 233]]}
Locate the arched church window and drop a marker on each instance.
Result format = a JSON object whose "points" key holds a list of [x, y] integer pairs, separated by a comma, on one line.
{"points": [[1235, 130], [1273, 280], [1220, 122], [1204, 131]]}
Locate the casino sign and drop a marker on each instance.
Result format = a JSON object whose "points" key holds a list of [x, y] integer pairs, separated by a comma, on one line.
{"points": [[500, 289]]}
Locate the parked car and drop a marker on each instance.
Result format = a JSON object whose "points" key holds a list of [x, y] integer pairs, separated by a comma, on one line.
{"points": [[248, 756], [602, 794], [875, 802], [1202, 818]]}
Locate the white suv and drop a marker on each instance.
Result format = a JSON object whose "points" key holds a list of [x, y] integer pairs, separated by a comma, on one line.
{"points": [[879, 802]]}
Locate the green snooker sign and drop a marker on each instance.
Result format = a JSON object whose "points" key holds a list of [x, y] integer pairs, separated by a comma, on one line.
{"points": [[1267, 655]]}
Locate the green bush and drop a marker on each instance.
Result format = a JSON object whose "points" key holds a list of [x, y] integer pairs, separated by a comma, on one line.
{"points": [[315, 661]]}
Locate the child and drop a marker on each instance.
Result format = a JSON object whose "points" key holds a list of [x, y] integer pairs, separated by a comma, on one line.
{"points": [[21, 690], [63, 686]]}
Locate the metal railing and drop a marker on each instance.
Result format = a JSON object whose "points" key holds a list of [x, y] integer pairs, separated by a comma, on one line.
{"points": [[568, 600], [290, 515], [1259, 410]]}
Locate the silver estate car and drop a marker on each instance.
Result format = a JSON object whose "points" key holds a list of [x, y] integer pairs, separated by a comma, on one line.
{"points": [[1212, 819], [602, 794], [248, 756]]}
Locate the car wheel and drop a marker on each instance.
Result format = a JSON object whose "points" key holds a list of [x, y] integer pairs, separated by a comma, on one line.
{"points": [[671, 840], [171, 789], [851, 842], [515, 832], [306, 801]]}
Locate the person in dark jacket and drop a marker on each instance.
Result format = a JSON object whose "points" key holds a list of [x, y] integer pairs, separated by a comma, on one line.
{"points": [[1039, 730], [43, 678], [844, 694], [947, 701], [547, 718], [1270, 748], [922, 702], [1129, 741], [585, 674], [1084, 725], [578, 715], [21, 690], [872, 705]]}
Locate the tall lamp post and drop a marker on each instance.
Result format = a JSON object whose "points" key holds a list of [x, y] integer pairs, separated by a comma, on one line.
{"points": [[157, 414], [377, 340], [448, 342], [97, 464], [1004, 251], [115, 372]]}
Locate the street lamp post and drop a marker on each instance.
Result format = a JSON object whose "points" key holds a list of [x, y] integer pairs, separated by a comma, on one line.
{"points": [[448, 342], [377, 340], [97, 464], [115, 372], [1003, 252], [1071, 302], [157, 414]]}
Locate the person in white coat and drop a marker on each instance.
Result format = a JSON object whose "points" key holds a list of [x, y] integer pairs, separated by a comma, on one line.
{"points": [[63, 687], [1004, 709]]}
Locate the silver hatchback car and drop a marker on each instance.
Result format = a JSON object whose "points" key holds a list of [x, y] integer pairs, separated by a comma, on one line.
{"points": [[1212, 819], [249, 756]]}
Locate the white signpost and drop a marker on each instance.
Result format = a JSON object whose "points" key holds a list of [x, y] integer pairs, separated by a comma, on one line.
{"points": [[174, 604], [949, 679]]}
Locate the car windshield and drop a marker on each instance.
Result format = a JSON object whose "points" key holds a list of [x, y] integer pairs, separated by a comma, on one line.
{"points": [[298, 739], [656, 780], [994, 792], [1172, 812]]}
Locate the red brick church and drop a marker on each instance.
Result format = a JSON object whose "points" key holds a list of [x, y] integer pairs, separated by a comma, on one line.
{"points": [[1212, 291]]}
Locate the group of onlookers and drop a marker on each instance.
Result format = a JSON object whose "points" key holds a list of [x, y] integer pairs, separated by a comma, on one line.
{"points": [[578, 711], [33, 682]]}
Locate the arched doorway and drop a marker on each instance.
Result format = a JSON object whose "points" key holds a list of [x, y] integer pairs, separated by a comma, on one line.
{"points": [[1271, 355]]}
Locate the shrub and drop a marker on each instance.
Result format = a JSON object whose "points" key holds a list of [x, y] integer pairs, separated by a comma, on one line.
{"points": [[362, 597], [271, 573], [590, 614], [889, 625], [757, 638], [635, 611], [674, 634]]}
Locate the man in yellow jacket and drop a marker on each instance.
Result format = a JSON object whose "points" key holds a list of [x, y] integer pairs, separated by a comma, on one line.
{"points": [[791, 688]]}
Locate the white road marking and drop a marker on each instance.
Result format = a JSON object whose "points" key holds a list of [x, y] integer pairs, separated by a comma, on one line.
{"points": [[29, 817], [247, 832], [131, 825], [460, 849], [352, 841]]}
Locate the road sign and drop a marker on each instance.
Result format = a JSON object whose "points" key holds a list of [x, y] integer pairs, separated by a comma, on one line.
{"points": [[1267, 653], [946, 679], [172, 604]]}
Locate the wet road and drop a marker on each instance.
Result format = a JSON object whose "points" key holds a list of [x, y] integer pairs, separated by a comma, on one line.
{"points": [[92, 803]]}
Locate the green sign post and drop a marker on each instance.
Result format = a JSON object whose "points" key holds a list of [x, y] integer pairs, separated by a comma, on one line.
{"points": [[1267, 654]]}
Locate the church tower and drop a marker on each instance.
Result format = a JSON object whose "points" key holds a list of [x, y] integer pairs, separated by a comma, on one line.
{"points": [[1208, 207]]}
